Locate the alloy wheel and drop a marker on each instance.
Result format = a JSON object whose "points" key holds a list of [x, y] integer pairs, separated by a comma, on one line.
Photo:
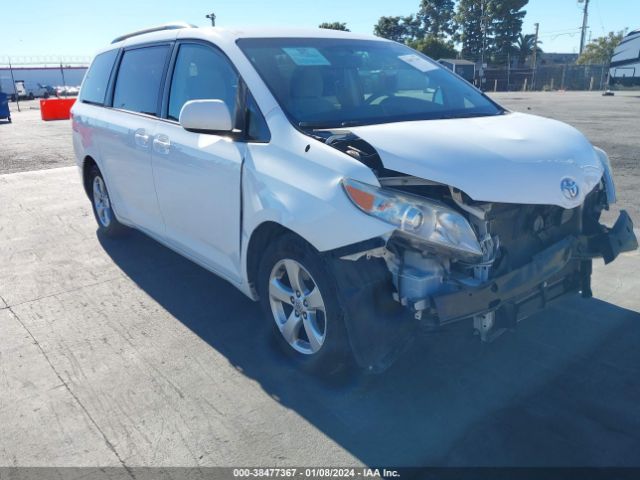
{"points": [[101, 201], [297, 306]]}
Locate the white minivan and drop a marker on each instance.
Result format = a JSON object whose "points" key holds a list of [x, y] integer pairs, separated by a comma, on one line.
{"points": [[356, 188]]}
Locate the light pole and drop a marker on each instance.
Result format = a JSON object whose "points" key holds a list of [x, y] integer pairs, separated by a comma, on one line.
{"points": [[15, 89], [212, 16]]}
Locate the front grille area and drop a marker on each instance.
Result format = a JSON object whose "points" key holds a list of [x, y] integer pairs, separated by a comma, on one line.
{"points": [[524, 230]]}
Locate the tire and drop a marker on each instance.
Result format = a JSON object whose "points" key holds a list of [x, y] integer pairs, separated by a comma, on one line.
{"points": [[108, 224], [325, 351]]}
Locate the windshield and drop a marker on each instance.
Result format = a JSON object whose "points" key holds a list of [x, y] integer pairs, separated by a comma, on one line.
{"points": [[327, 82]]}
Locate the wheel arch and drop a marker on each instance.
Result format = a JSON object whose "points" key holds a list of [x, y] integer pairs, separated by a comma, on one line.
{"points": [[264, 234], [87, 163]]}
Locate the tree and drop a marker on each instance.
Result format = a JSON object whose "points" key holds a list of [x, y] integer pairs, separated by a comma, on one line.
{"points": [[501, 21], [523, 48], [334, 26], [436, 18], [600, 50], [398, 29], [468, 20], [504, 26], [435, 47]]}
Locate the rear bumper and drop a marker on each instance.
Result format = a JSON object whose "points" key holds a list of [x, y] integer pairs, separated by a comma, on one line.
{"points": [[562, 268]]}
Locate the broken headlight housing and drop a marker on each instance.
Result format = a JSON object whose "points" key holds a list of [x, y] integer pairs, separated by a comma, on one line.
{"points": [[427, 221]]}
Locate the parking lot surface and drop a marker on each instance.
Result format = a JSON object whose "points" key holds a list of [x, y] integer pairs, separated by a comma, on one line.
{"points": [[31, 144], [120, 352]]}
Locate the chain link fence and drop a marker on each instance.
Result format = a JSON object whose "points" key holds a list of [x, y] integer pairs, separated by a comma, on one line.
{"points": [[44, 61], [546, 78]]}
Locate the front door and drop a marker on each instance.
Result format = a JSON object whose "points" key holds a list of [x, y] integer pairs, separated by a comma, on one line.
{"points": [[197, 176]]}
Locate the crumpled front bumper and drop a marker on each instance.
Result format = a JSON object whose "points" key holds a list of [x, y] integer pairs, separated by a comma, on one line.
{"points": [[562, 268], [380, 328]]}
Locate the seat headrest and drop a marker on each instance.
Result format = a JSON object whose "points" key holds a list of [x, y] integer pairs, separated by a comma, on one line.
{"points": [[307, 82]]}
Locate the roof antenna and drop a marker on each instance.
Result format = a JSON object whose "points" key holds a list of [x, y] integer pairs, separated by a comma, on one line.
{"points": [[212, 17]]}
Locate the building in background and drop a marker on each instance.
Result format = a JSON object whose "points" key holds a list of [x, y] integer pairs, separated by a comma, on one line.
{"points": [[464, 68], [36, 72]]}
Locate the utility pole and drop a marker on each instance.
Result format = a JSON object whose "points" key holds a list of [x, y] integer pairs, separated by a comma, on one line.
{"points": [[534, 56], [483, 29], [585, 17], [212, 16]]}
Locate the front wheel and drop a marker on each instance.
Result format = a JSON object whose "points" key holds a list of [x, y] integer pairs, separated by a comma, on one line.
{"points": [[102, 207], [299, 296]]}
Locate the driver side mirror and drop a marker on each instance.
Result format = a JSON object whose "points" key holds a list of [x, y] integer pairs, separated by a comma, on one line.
{"points": [[206, 116]]}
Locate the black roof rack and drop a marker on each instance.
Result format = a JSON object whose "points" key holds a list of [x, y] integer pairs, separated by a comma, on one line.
{"points": [[159, 28]]}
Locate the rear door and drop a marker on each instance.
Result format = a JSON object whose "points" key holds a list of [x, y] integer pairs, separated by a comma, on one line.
{"points": [[198, 175], [128, 135]]}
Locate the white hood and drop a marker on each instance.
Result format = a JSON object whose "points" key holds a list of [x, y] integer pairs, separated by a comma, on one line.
{"points": [[511, 158]]}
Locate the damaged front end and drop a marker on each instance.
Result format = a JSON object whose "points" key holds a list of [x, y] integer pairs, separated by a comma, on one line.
{"points": [[452, 258]]}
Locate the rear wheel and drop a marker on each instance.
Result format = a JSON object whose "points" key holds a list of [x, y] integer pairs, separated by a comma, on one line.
{"points": [[299, 296], [102, 207]]}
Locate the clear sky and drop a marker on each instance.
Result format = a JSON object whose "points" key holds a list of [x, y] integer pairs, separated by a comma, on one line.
{"points": [[79, 27]]}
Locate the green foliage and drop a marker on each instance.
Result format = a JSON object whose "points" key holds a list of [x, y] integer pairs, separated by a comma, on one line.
{"points": [[435, 47], [468, 19], [500, 22], [600, 50], [334, 26], [523, 48], [436, 18], [398, 29], [496, 24], [504, 24]]}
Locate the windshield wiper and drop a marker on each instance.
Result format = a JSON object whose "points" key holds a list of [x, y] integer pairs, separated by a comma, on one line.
{"points": [[469, 114], [322, 125]]}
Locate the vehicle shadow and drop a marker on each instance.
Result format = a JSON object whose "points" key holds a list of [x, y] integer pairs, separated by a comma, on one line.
{"points": [[561, 390]]}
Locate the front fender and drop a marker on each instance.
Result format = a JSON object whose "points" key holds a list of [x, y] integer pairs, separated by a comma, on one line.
{"points": [[305, 196]]}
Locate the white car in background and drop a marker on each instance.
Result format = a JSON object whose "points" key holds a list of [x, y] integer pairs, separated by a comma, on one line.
{"points": [[355, 187], [66, 91]]}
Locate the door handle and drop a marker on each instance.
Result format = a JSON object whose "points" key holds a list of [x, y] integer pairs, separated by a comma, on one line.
{"points": [[161, 144], [141, 137]]}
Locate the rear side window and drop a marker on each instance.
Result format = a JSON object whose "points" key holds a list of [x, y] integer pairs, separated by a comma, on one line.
{"points": [[139, 78], [94, 86]]}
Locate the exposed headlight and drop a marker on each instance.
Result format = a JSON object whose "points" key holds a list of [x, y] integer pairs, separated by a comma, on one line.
{"points": [[430, 222]]}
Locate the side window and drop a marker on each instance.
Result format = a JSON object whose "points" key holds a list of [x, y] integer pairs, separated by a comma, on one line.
{"points": [[139, 77], [94, 86], [201, 73]]}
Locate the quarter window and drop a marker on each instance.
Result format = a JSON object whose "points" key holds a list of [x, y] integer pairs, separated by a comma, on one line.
{"points": [[201, 73], [139, 78], [94, 86]]}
